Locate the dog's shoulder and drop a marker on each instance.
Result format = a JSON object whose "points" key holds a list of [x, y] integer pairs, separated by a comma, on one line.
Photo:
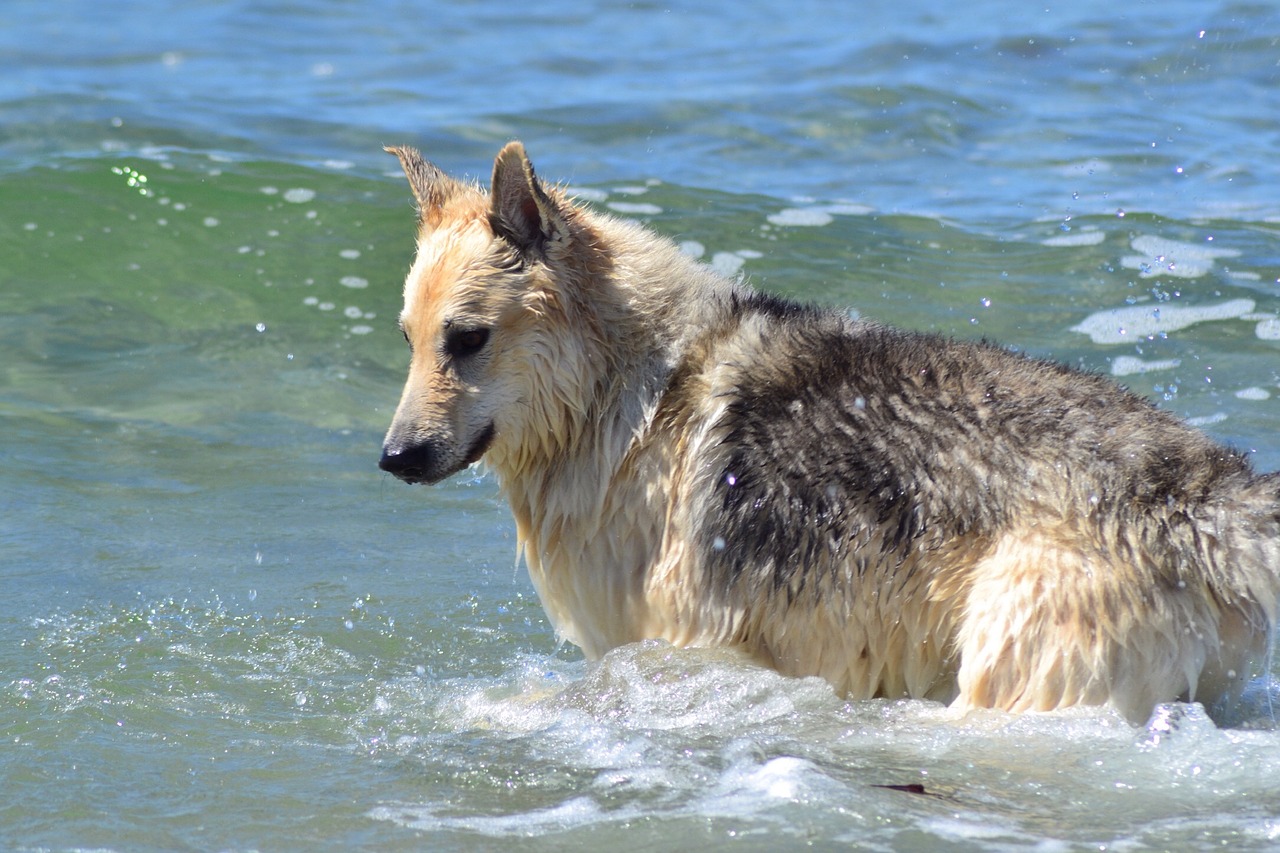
{"points": [[817, 420]]}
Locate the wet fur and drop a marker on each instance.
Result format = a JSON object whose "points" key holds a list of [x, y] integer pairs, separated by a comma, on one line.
{"points": [[901, 514]]}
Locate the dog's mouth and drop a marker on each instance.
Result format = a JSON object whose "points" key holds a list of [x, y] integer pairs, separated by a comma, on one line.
{"points": [[479, 446]]}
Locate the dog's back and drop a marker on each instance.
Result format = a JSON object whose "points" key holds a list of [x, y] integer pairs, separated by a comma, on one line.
{"points": [[908, 515], [899, 513]]}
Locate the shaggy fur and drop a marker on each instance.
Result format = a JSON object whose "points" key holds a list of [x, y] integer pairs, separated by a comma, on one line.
{"points": [[901, 514]]}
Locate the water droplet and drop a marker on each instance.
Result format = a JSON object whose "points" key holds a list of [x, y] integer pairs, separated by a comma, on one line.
{"points": [[261, 327], [718, 543], [986, 303], [731, 479]]}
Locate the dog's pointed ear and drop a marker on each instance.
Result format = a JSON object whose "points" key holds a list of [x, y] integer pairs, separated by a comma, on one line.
{"points": [[431, 187], [522, 211]]}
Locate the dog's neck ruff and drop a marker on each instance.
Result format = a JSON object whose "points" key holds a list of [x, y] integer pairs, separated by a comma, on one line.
{"points": [[591, 498]]}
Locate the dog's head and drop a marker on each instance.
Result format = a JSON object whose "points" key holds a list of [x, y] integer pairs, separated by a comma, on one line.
{"points": [[489, 319]]}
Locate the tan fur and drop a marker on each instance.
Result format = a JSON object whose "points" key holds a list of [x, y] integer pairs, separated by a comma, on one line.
{"points": [[601, 401]]}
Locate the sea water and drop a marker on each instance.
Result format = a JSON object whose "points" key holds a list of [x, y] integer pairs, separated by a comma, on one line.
{"points": [[223, 628]]}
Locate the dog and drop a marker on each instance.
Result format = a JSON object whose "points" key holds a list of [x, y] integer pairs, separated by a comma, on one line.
{"points": [[902, 514]]}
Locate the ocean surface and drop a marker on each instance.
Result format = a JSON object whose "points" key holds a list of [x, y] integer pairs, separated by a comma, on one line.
{"points": [[222, 628]]}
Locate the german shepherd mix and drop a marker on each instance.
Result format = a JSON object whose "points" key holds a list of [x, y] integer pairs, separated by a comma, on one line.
{"points": [[898, 513]]}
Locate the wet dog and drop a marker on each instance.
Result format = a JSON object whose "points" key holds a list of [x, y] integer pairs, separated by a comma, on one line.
{"points": [[901, 514]]}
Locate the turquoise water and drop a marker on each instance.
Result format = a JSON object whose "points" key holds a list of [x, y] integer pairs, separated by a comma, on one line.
{"points": [[223, 628]]}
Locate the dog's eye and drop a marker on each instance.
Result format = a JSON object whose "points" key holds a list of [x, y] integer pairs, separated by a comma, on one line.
{"points": [[461, 343]]}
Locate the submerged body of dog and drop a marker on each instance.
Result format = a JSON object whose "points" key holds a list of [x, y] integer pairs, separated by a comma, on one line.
{"points": [[898, 513]]}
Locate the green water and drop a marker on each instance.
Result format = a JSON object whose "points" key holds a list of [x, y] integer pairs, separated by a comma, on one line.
{"points": [[224, 629]]}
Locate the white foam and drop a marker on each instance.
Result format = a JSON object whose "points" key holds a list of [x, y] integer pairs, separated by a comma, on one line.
{"points": [[727, 263], [635, 208], [1076, 238], [588, 194], [354, 281], [1208, 420], [804, 217], [1164, 257], [1150, 244], [693, 248], [1122, 325], [1128, 365], [299, 195], [1187, 268], [779, 778], [1253, 393], [349, 254], [1268, 329], [817, 215], [432, 817], [849, 209]]}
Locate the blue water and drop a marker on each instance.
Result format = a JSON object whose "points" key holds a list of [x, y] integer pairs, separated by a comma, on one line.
{"points": [[224, 629]]}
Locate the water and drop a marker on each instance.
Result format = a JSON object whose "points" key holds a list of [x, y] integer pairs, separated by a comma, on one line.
{"points": [[224, 629]]}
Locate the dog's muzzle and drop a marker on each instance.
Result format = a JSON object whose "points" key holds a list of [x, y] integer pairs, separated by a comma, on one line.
{"points": [[423, 463]]}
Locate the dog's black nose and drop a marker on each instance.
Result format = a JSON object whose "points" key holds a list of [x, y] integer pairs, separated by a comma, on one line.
{"points": [[410, 464]]}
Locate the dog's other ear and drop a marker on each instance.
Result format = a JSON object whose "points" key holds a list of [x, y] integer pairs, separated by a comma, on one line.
{"points": [[431, 187], [521, 211]]}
